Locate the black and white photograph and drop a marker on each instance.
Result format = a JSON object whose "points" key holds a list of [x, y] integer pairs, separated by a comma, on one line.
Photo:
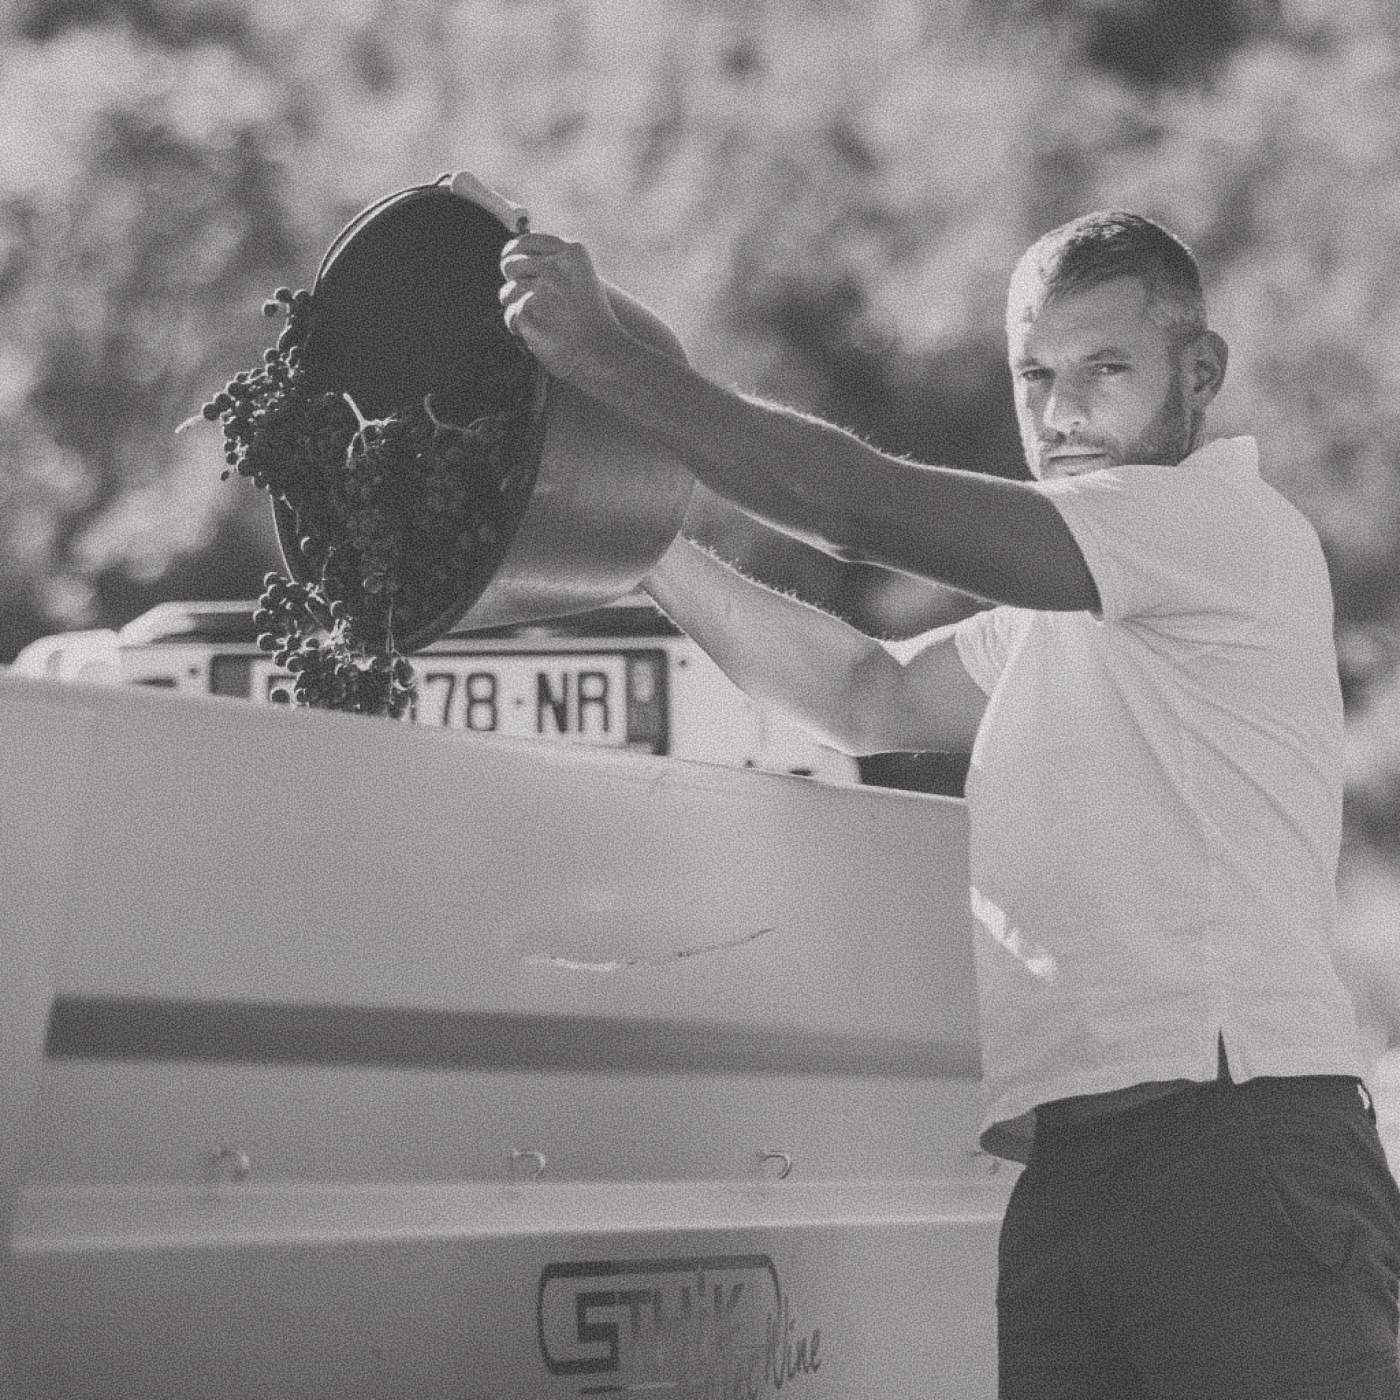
{"points": [[699, 699]]}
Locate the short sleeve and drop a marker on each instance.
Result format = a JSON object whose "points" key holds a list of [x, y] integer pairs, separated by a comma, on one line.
{"points": [[985, 642], [1183, 544]]}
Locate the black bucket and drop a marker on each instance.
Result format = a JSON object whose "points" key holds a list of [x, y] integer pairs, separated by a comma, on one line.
{"points": [[406, 306]]}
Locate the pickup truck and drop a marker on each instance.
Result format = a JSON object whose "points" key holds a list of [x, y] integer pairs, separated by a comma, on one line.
{"points": [[351, 1058]]}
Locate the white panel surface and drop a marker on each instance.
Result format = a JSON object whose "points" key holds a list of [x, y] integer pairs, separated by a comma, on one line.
{"points": [[325, 991]]}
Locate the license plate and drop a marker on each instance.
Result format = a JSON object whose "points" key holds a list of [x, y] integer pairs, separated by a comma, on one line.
{"points": [[578, 697]]}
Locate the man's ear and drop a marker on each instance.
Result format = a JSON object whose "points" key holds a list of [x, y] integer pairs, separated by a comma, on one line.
{"points": [[1207, 357]]}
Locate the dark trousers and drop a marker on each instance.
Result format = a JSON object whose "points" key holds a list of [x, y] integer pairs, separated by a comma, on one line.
{"points": [[1223, 1243]]}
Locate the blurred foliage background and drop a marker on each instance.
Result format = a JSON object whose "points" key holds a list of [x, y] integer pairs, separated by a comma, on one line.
{"points": [[823, 197]]}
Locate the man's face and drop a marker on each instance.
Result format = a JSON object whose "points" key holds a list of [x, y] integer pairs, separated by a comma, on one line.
{"points": [[1099, 383]]}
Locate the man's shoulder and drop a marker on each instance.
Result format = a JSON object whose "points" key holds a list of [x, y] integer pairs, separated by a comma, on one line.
{"points": [[1233, 464], [1238, 453], [1206, 537]]}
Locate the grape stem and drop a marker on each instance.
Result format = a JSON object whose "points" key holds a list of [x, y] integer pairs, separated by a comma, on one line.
{"points": [[389, 646], [432, 417], [441, 425], [355, 409]]}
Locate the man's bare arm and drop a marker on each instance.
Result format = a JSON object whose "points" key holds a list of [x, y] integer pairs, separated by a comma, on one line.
{"points": [[999, 539], [841, 685]]}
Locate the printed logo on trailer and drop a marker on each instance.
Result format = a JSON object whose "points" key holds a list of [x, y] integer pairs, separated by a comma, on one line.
{"points": [[713, 1328]]}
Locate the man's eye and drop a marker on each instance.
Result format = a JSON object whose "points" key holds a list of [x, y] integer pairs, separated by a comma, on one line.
{"points": [[1110, 367], [1034, 375]]}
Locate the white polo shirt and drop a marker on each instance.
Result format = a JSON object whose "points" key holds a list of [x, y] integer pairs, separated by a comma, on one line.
{"points": [[1155, 800]]}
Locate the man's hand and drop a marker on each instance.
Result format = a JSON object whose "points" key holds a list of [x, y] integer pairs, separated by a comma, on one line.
{"points": [[555, 302]]}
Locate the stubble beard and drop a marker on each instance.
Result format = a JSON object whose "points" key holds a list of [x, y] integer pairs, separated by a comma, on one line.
{"points": [[1173, 433]]}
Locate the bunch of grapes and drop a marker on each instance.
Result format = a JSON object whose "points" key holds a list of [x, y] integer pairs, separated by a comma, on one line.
{"points": [[263, 409], [390, 512], [313, 638]]}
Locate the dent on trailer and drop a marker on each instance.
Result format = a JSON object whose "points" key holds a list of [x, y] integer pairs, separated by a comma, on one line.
{"points": [[362, 1059]]}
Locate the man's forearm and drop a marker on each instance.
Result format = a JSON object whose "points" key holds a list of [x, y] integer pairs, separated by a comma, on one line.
{"points": [[774, 647], [999, 539]]}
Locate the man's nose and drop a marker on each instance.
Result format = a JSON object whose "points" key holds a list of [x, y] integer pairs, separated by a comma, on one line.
{"points": [[1065, 410]]}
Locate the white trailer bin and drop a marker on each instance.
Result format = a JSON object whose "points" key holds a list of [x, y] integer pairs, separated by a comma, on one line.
{"points": [[353, 1059]]}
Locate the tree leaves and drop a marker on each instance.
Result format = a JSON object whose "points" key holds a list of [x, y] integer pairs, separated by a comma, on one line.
{"points": [[823, 198]]}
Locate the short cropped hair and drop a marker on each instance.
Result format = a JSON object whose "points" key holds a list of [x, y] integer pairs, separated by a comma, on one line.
{"points": [[1098, 247]]}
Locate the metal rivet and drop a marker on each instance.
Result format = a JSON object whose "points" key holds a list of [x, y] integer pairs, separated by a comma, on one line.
{"points": [[232, 1162], [784, 1160], [536, 1160]]}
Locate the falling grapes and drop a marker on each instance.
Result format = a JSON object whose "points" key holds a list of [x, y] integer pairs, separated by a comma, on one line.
{"points": [[315, 641], [389, 511]]}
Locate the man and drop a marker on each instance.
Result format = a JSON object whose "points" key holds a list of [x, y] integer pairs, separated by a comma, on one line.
{"points": [[1154, 719]]}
